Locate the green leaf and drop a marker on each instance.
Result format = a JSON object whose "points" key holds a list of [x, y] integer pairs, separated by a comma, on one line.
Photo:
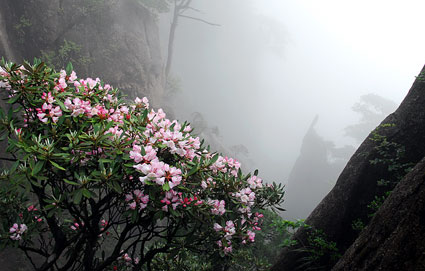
{"points": [[247, 177], [49, 207], [142, 150], [77, 196], [39, 67], [10, 113], [70, 182], [173, 212], [144, 115], [104, 160], [280, 209], [109, 125], [214, 159], [116, 186], [96, 127], [17, 109], [172, 127], [192, 171], [14, 167], [14, 99], [61, 105], [35, 183], [27, 66], [86, 193], [166, 186], [134, 216], [69, 68], [147, 182], [51, 213], [38, 166], [56, 165]]}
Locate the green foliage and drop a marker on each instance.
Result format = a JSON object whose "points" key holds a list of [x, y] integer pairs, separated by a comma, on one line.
{"points": [[183, 260], [321, 253], [259, 256], [274, 235], [375, 204], [20, 27], [288, 228], [390, 155], [421, 76], [12, 196], [357, 225], [100, 182], [68, 52]]}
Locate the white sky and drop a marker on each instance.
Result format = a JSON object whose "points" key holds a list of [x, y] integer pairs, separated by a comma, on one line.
{"points": [[373, 37], [333, 52], [339, 50]]}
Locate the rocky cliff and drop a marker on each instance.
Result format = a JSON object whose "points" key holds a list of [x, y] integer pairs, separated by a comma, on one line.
{"points": [[117, 41]]}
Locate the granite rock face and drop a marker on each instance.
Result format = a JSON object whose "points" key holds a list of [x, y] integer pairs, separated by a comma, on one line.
{"points": [[117, 41], [358, 184], [395, 238]]}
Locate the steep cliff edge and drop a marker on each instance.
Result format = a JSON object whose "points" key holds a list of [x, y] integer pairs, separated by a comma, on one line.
{"points": [[358, 185], [395, 238]]}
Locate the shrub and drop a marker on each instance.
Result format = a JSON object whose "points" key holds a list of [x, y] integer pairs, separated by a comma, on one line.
{"points": [[97, 183]]}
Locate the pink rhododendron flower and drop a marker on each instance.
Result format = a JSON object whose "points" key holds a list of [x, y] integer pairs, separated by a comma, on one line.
{"points": [[115, 131], [218, 206], [137, 198], [251, 236], [48, 97], [135, 156], [255, 182], [217, 227], [47, 110], [17, 231]]}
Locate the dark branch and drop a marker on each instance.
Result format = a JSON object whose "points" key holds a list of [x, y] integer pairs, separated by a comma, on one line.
{"points": [[8, 159], [198, 19]]}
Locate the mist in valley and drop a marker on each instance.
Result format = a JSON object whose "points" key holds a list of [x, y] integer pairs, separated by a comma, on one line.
{"points": [[256, 80]]}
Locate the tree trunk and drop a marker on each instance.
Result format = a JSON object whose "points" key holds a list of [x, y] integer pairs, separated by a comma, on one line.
{"points": [[395, 238], [357, 185]]}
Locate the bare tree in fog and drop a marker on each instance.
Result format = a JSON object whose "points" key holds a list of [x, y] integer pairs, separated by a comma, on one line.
{"points": [[179, 10]]}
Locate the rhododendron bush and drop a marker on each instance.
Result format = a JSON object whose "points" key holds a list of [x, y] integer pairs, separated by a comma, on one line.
{"points": [[98, 183]]}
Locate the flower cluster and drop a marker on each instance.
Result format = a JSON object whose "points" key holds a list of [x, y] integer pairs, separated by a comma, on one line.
{"points": [[137, 199], [126, 161], [17, 231], [48, 111], [218, 206]]}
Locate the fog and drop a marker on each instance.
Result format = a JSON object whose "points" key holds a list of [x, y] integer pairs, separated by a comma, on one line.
{"points": [[262, 76]]}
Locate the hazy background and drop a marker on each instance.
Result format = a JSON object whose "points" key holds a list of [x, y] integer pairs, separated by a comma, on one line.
{"points": [[261, 77]]}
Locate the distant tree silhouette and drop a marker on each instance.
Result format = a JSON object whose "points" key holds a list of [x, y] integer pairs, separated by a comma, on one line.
{"points": [[373, 109]]}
